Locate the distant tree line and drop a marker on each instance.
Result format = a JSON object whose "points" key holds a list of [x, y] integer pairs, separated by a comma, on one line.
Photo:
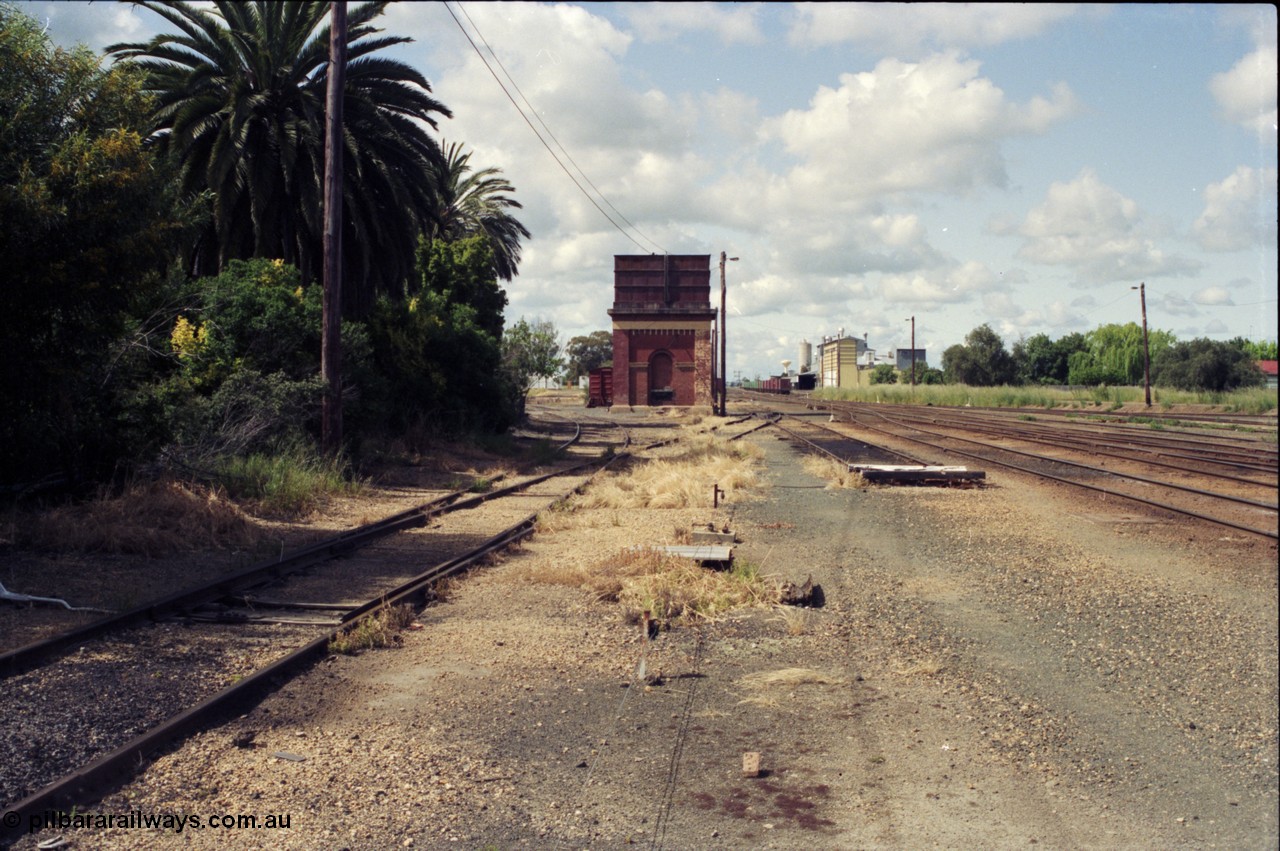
{"points": [[1108, 355], [162, 248]]}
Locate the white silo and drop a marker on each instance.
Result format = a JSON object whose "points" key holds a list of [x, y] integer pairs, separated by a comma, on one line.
{"points": [[805, 360]]}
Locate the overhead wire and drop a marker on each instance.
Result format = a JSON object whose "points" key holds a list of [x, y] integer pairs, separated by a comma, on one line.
{"points": [[568, 156], [541, 139]]}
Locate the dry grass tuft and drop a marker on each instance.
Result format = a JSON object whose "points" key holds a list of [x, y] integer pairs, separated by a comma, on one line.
{"points": [[790, 678], [836, 474], [557, 518], [795, 620], [681, 481], [670, 588], [927, 668], [149, 519]]}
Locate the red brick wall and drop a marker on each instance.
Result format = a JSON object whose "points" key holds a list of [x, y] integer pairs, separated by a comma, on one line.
{"points": [[690, 352]]}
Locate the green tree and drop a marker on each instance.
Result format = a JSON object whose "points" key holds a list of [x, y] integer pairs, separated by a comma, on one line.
{"points": [[884, 373], [1116, 353], [441, 372], [981, 362], [585, 353], [925, 375], [1040, 360], [1203, 364], [1259, 349], [240, 94], [439, 350], [248, 354], [462, 273], [89, 226], [530, 350], [474, 203]]}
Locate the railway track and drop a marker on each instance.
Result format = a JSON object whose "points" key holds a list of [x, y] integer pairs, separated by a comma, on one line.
{"points": [[85, 708], [1226, 478]]}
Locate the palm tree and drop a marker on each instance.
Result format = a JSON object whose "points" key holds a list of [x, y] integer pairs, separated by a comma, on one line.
{"points": [[471, 203], [240, 95]]}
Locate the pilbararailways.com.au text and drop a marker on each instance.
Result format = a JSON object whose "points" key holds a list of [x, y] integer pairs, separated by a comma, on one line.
{"points": [[138, 820]]}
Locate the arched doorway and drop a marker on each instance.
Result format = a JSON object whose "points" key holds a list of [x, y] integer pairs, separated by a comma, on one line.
{"points": [[660, 375]]}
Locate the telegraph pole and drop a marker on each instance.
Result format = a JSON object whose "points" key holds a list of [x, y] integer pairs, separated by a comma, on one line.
{"points": [[331, 328], [724, 388], [1146, 347]]}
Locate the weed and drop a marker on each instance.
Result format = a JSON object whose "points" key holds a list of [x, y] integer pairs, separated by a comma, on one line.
{"points": [[148, 518], [381, 628], [795, 620], [684, 480], [673, 589], [837, 474], [290, 482], [543, 451]]}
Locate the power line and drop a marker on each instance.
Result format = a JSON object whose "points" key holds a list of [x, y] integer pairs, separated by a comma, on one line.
{"points": [[535, 114], [565, 169]]}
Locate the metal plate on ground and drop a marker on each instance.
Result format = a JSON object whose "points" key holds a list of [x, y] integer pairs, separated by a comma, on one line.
{"points": [[915, 473]]}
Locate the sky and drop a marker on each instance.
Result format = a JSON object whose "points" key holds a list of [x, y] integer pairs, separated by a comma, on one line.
{"points": [[1024, 166]]}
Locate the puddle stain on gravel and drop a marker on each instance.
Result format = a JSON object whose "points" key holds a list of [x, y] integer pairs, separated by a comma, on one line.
{"points": [[765, 801]]}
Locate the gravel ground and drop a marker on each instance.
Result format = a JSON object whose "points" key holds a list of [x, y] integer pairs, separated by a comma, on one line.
{"points": [[994, 668]]}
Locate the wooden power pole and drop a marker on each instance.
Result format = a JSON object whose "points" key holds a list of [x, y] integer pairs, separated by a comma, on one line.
{"points": [[331, 334]]}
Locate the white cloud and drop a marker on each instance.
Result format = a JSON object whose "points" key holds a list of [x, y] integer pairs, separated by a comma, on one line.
{"points": [[1247, 93], [1239, 212], [1175, 304], [931, 287], [1212, 296], [731, 24], [907, 28], [935, 125], [1092, 229], [95, 24]]}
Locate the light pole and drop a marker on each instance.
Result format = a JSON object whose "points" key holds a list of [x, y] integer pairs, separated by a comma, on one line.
{"points": [[1146, 348], [913, 354], [724, 390]]}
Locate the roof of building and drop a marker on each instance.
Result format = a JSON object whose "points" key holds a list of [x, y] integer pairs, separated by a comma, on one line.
{"points": [[1269, 367]]}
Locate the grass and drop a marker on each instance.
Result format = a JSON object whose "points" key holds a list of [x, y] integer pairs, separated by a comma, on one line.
{"points": [[292, 482], [685, 480], [146, 518], [381, 628], [837, 475], [672, 589], [1252, 401], [795, 620], [790, 678], [764, 685]]}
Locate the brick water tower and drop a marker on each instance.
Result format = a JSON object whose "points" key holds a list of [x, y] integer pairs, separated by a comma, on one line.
{"points": [[662, 318]]}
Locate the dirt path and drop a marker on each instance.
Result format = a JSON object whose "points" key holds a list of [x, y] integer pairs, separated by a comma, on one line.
{"points": [[988, 672]]}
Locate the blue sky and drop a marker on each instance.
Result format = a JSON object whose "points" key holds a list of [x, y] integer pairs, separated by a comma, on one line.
{"points": [[1016, 165]]}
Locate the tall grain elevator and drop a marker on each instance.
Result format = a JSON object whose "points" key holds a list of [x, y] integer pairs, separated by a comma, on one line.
{"points": [[662, 320]]}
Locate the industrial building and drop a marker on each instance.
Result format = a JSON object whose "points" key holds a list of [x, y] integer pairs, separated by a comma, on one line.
{"points": [[903, 358], [843, 360], [662, 330]]}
